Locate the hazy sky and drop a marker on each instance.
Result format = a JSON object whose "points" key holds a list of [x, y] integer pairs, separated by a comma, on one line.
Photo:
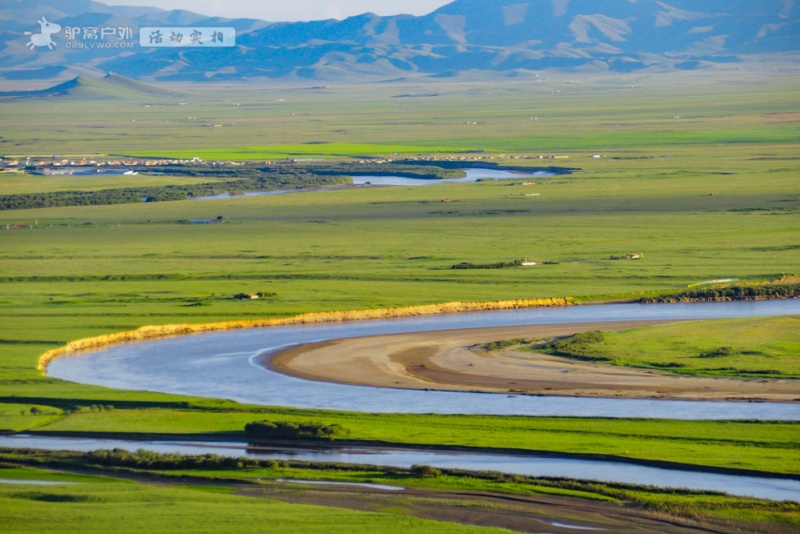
{"points": [[286, 10]]}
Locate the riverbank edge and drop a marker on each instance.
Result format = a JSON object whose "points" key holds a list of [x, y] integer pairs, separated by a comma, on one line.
{"points": [[388, 445], [152, 332], [280, 361], [148, 333]]}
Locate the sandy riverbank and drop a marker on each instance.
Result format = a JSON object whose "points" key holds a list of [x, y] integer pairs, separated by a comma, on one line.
{"points": [[447, 360]]}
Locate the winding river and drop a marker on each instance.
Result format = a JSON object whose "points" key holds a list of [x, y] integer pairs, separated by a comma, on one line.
{"points": [[472, 175], [520, 464], [224, 365]]}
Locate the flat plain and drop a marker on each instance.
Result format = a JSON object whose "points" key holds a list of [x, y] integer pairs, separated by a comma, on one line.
{"points": [[698, 173]]}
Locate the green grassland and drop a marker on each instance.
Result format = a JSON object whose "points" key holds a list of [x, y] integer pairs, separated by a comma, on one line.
{"points": [[165, 499], [711, 195], [101, 504], [745, 348], [13, 183], [554, 112]]}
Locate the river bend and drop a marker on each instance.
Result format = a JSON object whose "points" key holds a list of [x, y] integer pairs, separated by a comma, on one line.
{"points": [[224, 365]]}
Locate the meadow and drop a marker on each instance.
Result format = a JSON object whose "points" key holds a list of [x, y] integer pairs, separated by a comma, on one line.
{"points": [[742, 348], [144, 489], [712, 194]]}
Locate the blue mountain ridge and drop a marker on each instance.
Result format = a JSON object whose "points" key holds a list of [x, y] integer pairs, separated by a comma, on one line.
{"points": [[503, 36]]}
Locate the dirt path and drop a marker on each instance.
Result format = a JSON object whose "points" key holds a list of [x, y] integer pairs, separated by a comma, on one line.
{"points": [[447, 360]]}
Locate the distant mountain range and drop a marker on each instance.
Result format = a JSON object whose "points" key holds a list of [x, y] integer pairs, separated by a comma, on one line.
{"points": [[501, 36], [109, 87]]}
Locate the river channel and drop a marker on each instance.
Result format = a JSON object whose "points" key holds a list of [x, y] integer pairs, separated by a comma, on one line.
{"points": [[224, 365], [472, 175], [521, 464]]}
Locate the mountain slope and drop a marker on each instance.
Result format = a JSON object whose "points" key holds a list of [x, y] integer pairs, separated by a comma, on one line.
{"points": [[465, 35], [110, 87]]}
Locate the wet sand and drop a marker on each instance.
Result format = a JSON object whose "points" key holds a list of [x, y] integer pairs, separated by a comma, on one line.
{"points": [[451, 361]]}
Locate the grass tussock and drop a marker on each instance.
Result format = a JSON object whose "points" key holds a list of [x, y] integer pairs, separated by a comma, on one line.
{"points": [[154, 332]]}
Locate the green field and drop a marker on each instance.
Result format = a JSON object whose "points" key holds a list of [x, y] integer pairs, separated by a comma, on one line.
{"points": [[242, 497], [19, 183], [710, 195], [101, 504], [743, 348]]}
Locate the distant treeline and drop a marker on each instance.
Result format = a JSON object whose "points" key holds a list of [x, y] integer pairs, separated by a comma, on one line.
{"points": [[130, 195], [772, 291], [319, 168], [498, 265], [229, 179]]}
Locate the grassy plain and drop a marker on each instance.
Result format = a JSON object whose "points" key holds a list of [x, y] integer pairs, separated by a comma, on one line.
{"points": [[537, 500], [101, 504], [744, 348], [13, 183], [713, 194], [551, 112]]}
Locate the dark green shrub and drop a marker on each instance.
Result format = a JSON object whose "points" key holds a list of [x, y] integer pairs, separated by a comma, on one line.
{"points": [[293, 430], [425, 471]]}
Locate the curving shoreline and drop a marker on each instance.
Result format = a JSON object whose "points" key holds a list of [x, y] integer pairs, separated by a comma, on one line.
{"points": [[147, 333], [449, 361]]}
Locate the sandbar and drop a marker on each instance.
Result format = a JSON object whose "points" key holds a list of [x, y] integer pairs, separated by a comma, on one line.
{"points": [[451, 360]]}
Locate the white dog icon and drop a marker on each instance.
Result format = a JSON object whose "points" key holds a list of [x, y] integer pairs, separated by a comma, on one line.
{"points": [[43, 38]]}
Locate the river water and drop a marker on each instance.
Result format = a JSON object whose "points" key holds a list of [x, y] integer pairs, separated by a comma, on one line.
{"points": [[472, 175], [224, 365], [522, 464]]}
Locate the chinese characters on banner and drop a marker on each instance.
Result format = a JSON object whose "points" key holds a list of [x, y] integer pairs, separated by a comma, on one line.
{"points": [[166, 36]]}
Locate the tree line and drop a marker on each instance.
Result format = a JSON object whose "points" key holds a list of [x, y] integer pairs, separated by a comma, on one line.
{"points": [[711, 294], [131, 195], [234, 180]]}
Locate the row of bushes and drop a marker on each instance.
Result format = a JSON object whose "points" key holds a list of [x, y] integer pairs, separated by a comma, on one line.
{"points": [[293, 430], [149, 460], [143, 459], [498, 265], [711, 294]]}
